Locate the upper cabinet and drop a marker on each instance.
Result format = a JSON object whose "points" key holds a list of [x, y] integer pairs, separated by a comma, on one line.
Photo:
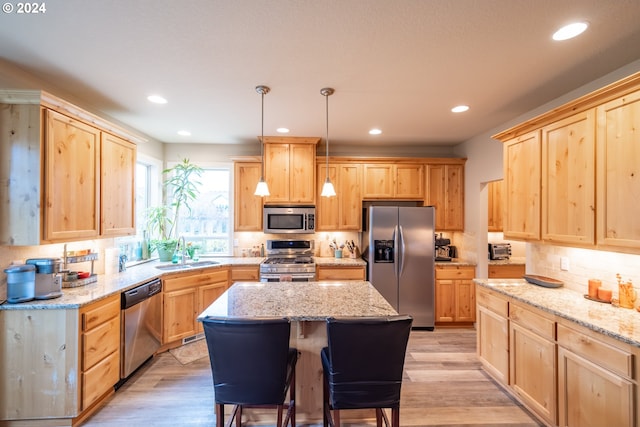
{"points": [[72, 174], [289, 169], [393, 181], [247, 214], [495, 213], [572, 175], [343, 211], [445, 191]]}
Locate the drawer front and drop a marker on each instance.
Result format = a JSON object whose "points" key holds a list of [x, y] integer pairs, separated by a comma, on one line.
{"points": [[602, 354], [537, 323], [195, 280], [341, 273], [455, 272], [506, 271], [99, 379], [245, 273], [493, 303], [100, 342], [97, 314]]}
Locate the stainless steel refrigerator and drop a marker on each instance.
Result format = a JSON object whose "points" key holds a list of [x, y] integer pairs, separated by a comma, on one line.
{"points": [[400, 254]]}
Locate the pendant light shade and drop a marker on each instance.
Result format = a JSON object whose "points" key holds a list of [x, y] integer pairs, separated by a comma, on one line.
{"points": [[327, 188], [262, 189]]}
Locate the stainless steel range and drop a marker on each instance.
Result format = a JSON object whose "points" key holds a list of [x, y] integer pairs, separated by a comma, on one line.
{"points": [[288, 261]]}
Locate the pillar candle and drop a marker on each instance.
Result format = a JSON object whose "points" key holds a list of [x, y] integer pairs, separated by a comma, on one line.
{"points": [[604, 294], [594, 284]]}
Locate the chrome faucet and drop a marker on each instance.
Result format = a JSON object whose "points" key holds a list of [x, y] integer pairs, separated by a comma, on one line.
{"points": [[183, 249]]}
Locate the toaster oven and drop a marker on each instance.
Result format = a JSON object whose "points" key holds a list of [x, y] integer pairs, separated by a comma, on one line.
{"points": [[499, 251]]}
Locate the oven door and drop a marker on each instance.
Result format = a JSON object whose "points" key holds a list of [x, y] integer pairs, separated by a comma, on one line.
{"points": [[283, 277]]}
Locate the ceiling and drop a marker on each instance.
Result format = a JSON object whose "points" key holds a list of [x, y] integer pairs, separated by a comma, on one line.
{"points": [[396, 65]]}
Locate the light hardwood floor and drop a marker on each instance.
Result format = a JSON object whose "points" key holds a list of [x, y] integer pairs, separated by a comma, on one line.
{"points": [[443, 386]]}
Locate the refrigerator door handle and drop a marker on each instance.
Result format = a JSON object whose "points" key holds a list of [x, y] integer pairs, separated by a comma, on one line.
{"points": [[402, 252], [397, 252]]}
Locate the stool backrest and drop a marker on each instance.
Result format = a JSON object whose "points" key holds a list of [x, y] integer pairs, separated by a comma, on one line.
{"points": [[248, 359]]}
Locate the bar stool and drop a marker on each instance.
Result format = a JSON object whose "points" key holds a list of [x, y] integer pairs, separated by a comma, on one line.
{"points": [[252, 366], [363, 365]]}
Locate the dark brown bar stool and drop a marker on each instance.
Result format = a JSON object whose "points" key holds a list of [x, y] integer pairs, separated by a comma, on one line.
{"points": [[363, 366], [252, 366]]}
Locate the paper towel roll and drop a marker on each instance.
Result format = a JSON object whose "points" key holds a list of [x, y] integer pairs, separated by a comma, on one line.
{"points": [[111, 260]]}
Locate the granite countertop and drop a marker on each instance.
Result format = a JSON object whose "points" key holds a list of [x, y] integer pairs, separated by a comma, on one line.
{"points": [[619, 323], [107, 285], [311, 301], [510, 261], [456, 262], [339, 262]]}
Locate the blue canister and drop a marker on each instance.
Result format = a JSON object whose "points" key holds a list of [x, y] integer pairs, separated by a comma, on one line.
{"points": [[21, 282]]}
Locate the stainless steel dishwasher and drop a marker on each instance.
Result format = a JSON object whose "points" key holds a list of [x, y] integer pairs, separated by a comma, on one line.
{"points": [[141, 325]]}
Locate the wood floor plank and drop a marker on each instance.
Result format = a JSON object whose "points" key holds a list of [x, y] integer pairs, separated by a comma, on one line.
{"points": [[443, 385]]}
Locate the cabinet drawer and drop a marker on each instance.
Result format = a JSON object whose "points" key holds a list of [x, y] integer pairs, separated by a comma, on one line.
{"points": [[100, 342], [537, 323], [98, 313], [493, 303], [341, 273], [245, 273], [99, 379], [455, 272], [506, 271], [194, 280], [600, 353]]}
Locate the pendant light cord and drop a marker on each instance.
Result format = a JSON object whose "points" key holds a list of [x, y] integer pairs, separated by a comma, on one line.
{"points": [[262, 141]]}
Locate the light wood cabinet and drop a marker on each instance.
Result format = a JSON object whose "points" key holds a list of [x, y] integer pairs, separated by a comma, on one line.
{"points": [[594, 381], [247, 213], [493, 334], [344, 210], [568, 184], [71, 179], [522, 187], [100, 349], [495, 214], [618, 184], [532, 359], [506, 271], [185, 296], [445, 191], [245, 273], [289, 169], [393, 181], [343, 272], [455, 294], [117, 186]]}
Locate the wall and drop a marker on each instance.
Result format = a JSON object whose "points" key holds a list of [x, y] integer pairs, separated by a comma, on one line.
{"points": [[484, 164]]}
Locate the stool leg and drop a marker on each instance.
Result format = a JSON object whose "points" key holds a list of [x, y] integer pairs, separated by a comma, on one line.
{"points": [[395, 417], [219, 414], [379, 417], [239, 416]]}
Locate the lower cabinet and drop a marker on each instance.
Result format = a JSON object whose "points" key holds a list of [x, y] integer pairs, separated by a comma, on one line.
{"points": [[493, 334], [347, 272], [506, 271], [455, 294], [245, 273], [100, 349], [185, 297]]}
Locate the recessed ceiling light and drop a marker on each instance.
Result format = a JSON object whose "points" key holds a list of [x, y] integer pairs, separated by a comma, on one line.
{"points": [[184, 133], [282, 130], [570, 31], [156, 99], [459, 108], [375, 132]]}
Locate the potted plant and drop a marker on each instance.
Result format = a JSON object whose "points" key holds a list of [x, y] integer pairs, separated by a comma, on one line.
{"points": [[181, 188]]}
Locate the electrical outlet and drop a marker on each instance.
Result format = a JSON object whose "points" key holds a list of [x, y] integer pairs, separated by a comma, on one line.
{"points": [[236, 243], [564, 263]]}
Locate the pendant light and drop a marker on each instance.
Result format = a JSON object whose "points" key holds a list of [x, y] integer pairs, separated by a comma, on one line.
{"points": [[262, 189], [327, 188]]}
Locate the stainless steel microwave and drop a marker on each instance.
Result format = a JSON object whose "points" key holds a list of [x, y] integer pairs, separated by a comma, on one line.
{"points": [[289, 219]]}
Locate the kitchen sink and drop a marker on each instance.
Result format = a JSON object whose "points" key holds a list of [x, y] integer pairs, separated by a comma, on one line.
{"points": [[186, 266]]}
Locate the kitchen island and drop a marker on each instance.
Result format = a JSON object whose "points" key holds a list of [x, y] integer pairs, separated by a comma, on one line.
{"points": [[307, 305]]}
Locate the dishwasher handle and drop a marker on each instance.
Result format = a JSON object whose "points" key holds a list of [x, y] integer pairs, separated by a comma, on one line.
{"points": [[140, 293]]}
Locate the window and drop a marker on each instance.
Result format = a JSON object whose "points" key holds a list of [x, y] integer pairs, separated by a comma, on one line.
{"points": [[208, 225]]}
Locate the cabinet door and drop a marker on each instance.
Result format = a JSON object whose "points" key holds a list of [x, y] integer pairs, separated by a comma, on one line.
{"points": [[277, 173], [72, 181], [349, 191], [445, 191], [568, 185], [445, 300], [341, 273], [465, 301], [494, 223], [533, 371], [409, 180], [117, 186], [618, 158], [589, 395], [328, 208], [245, 273], [247, 207], [378, 181], [522, 187], [180, 309], [206, 296], [302, 181]]}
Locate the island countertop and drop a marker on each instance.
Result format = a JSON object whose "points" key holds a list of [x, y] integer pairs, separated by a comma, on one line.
{"points": [[300, 301]]}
